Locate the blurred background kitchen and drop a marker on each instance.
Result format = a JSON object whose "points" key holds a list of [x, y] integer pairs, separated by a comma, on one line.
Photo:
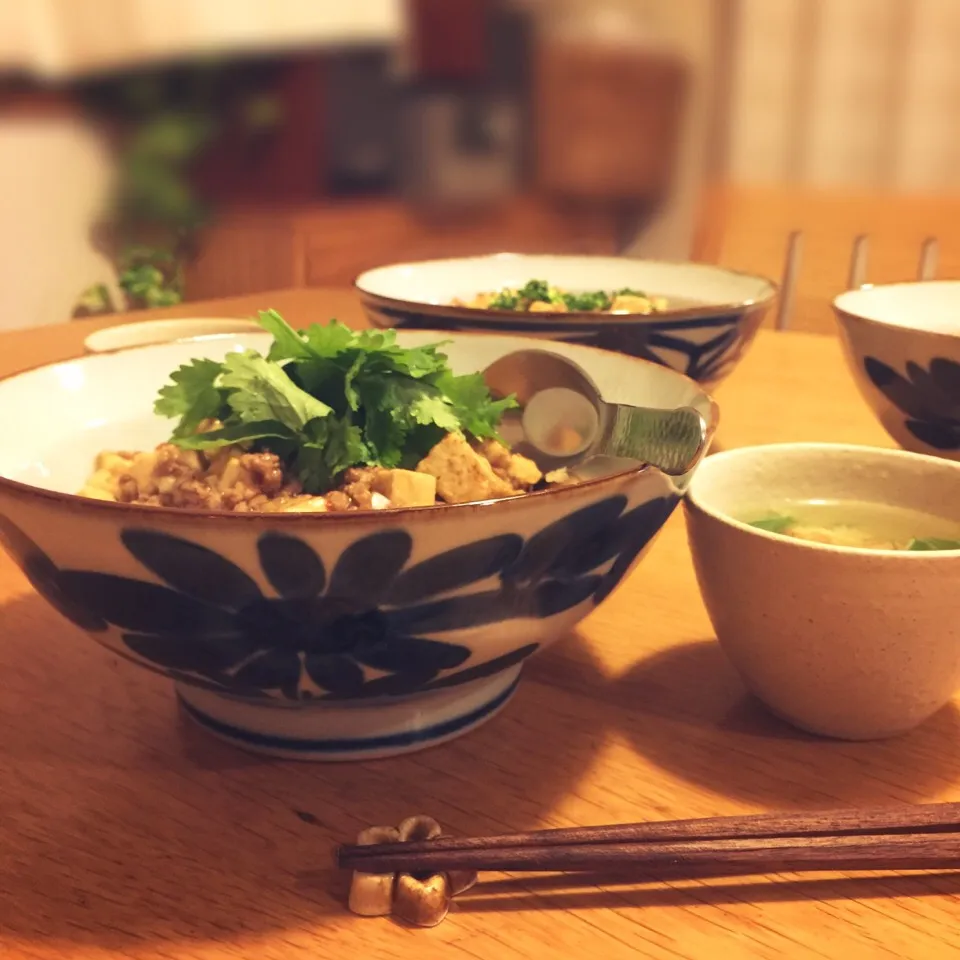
{"points": [[153, 151]]}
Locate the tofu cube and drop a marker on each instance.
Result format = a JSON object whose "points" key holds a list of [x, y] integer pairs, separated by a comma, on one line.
{"points": [[462, 473], [406, 488]]}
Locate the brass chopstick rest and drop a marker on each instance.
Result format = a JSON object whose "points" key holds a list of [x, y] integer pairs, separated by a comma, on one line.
{"points": [[422, 900]]}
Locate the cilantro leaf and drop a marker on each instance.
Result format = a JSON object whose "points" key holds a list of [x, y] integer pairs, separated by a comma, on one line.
{"points": [[349, 389], [261, 390], [193, 395], [327, 399], [236, 433], [419, 362], [505, 300], [333, 445], [535, 290], [387, 436], [478, 413], [288, 344], [330, 340], [395, 407], [382, 353], [413, 401], [588, 302], [433, 409]]}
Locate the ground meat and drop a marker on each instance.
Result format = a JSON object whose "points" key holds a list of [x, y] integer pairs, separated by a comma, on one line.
{"points": [[174, 462], [338, 501], [358, 485], [519, 471], [228, 479], [193, 494], [127, 489], [267, 471], [236, 479]]}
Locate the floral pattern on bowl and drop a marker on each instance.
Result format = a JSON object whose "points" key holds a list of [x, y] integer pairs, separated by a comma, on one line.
{"points": [[705, 349], [364, 630], [930, 398]]}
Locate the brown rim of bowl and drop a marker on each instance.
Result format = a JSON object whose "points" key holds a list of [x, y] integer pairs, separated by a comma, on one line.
{"points": [[74, 501], [496, 317], [697, 504], [885, 324]]}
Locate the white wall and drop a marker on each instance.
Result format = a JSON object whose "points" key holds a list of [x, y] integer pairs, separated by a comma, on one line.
{"points": [[57, 38], [54, 178]]}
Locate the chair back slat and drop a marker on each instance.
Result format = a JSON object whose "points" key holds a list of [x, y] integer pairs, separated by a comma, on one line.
{"points": [[821, 243]]}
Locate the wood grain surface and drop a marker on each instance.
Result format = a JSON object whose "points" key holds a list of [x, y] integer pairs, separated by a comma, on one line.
{"points": [[125, 832]]}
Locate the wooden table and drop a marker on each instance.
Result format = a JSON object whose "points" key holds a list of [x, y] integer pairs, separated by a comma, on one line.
{"points": [[125, 832]]}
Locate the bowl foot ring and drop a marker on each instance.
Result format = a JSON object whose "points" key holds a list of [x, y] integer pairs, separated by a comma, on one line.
{"points": [[349, 731]]}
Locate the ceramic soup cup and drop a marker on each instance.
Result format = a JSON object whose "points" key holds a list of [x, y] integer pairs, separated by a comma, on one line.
{"points": [[841, 641]]}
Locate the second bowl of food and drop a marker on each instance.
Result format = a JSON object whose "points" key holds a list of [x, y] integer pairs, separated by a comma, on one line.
{"points": [[830, 575], [902, 342], [695, 318], [145, 332], [331, 556]]}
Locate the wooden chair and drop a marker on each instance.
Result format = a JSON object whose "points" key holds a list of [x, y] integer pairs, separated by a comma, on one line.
{"points": [[817, 244]]}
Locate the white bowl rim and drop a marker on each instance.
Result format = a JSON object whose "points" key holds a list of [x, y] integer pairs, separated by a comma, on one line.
{"points": [[693, 501], [495, 317], [391, 514], [219, 326], [842, 307]]}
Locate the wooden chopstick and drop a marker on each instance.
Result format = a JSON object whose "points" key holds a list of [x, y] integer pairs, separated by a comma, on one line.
{"points": [[923, 821], [905, 851]]}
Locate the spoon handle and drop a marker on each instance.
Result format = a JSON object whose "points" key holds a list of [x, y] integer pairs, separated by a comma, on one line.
{"points": [[671, 440]]}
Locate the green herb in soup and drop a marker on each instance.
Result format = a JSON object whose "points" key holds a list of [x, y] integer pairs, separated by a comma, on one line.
{"points": [[869, 526], [538, 296], [328, 420], [933, 543], [775, 524]]}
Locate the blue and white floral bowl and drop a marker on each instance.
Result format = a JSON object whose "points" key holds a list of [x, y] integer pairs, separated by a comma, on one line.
{"points": [[712, 318], [325, 636], [902, 342]]}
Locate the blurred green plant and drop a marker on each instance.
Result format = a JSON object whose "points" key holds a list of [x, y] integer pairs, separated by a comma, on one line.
{"points": [[151, 277], [161, 122]]}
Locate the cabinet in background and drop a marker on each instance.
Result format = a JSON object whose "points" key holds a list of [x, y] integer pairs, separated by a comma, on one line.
{"points": [[328, 244]]}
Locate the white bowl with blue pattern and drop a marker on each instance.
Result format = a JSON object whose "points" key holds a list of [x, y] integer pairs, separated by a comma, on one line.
{"points": [[902, 343], [712, 317], [323, 636]]}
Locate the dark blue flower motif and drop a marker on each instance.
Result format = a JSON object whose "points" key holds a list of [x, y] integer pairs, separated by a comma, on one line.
{"points": [[703, 348], [362, 630], [683, 345], [710, 361], [929, 398], [43, 576]]}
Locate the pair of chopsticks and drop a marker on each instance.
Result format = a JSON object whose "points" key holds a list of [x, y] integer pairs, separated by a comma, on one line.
{"points": [[906, 837]]}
